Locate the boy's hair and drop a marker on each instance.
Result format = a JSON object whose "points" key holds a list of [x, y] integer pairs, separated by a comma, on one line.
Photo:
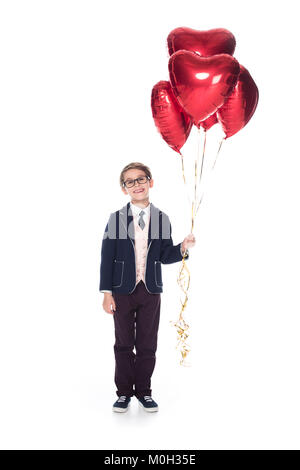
{"points": [[134, 166]]}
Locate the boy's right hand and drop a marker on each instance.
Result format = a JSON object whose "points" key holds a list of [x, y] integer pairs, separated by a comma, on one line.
{"points": [[109, 304]]}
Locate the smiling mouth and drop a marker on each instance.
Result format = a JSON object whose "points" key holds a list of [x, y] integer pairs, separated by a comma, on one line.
{"points": [[138, 191]]}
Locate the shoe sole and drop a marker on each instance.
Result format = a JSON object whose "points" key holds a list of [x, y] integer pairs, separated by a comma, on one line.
{"points": [[150, 410]]}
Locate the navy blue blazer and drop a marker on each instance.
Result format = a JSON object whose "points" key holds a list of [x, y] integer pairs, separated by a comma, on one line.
{"points": [[117, 267]]}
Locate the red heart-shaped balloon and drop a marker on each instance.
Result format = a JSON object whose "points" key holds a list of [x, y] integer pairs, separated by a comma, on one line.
{"points": [[202, 84], [240, 105], [170, 119], [205, 43]]}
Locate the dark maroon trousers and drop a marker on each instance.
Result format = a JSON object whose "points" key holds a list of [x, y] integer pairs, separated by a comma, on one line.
{"points": [[136, 326]]}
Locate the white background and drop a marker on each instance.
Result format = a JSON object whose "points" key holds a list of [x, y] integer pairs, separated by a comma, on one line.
{"points": [[75, 86]]}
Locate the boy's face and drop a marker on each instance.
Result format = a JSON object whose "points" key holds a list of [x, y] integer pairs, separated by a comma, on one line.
{"points": [[138, 192]]}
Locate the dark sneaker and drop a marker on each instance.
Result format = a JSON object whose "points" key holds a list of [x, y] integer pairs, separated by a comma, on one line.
{"points": [[148, 403], [121, 404]]}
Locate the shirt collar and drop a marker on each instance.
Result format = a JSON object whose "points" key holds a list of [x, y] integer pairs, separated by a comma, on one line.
{"points": [[136, 209]]}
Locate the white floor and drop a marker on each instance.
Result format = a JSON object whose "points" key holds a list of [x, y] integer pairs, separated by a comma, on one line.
{"points": [[240, 391]]}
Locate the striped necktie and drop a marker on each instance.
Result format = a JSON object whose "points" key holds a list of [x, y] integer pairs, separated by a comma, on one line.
{"points": [[141, 220]]}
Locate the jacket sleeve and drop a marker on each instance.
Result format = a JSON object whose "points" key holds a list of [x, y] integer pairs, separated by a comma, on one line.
{"points": [[170, 253], [107, 255]]}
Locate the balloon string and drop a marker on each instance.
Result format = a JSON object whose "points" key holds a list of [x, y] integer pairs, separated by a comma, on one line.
{"points": [[184, 276], [185, 184], [203, 154], [183, 281], [221, 142], [196, 178]]}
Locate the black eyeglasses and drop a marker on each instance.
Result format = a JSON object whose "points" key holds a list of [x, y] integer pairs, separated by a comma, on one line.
{"points": [[140, 180]]}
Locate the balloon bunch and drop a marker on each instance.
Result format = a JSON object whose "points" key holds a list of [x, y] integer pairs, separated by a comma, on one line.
{"points": [[207, 86]]}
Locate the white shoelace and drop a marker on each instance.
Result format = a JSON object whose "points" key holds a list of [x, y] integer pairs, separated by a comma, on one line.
{"points": [[147, 398], [122, 399]]}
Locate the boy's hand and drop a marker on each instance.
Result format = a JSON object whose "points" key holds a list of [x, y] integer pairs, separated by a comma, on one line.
{"points": [[188, 242], [109, 304]]}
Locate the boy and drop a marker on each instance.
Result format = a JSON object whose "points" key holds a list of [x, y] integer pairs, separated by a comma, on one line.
{"points": [[137, 239]]}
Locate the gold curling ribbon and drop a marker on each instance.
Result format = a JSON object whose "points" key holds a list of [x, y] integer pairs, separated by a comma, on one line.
{"points": [[184, 276]]}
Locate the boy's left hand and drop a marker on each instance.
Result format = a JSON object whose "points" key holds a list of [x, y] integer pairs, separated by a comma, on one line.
{"points": [[189, 241]]}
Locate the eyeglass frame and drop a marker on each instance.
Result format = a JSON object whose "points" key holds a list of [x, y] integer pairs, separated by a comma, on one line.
{"points": [[136, 180]]}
